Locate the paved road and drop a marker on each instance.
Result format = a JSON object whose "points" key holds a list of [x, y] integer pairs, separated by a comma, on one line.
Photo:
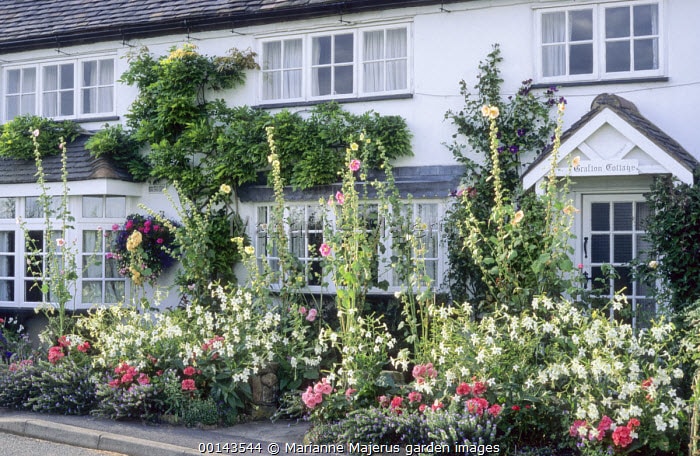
{"points": [[14, 445]]}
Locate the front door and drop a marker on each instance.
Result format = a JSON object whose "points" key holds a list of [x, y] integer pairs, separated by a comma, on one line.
{"points": [[613, 236]]}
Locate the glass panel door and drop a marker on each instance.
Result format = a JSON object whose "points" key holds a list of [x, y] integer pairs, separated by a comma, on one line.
{"points": [[613, 236]]}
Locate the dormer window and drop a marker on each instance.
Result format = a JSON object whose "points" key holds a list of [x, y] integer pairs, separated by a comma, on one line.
{"points": [[63, 90]]}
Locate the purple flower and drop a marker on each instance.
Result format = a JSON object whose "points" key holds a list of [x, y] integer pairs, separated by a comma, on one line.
{"points": [[514, 149], [521, 132]]}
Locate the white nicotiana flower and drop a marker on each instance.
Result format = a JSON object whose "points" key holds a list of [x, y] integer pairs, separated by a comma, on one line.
{"points": [[660, 424]]}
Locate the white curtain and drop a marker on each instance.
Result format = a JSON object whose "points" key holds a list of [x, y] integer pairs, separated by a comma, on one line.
{"points": [[397, 59], [50, 91], [292, 69], [105, 94], [272, 64], [553, 44], [373, 57]]}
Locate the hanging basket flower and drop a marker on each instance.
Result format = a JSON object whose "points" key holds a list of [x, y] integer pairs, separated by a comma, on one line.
{"points": [[143, 247]]}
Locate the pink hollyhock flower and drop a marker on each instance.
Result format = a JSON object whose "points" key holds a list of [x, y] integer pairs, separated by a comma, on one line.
{"points": [[129, 225], [323, 387], [188, 385], [354, 164], [159, 241], [464, 389], [414, 396], [143, 379], [115, 227], [324, 250], [310, 398], [422, 371], [312, 315], [84, 347], [621, 436], [340, 198], [189, 371], [422, 407], [127, 378], [396, 402], [302, 310], [349, 392]]}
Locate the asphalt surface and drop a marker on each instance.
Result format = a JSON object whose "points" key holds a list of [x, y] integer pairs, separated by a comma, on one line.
{"points": [[144, 439]]}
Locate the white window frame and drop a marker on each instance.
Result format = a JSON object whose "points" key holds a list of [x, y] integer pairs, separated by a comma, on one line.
{"points": [[78, 89], [385, 271], [599, 71], [358, 62]]}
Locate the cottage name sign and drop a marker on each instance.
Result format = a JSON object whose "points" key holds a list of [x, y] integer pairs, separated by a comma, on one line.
{"points": [[604, 168]]}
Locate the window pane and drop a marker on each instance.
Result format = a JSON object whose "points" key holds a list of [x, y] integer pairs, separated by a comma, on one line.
{"points": [[625, 280], [66, 102], [92, 241], [617, 22], [271, 85], [646, 21], [115, 206], [92, 267], [322, 50], [50, 78], [581, 25], [112, 268], [292, 54], [396, 43], [646, 54], [105, 96], [13, 81], [622, 248], [89, 101], [7, 290], [343, 79], [92, 292], [89, 73], [640, 219], [67, 76], [554, 27], [581, 59], [28, 80], [28, 104], [272, 55], [114, 292], [92, 206], [7, 242], [7, 208], [343, 48], [617, 56], [322, 81], [600, 248], [623, 216], [600, 216], [106, 76]]}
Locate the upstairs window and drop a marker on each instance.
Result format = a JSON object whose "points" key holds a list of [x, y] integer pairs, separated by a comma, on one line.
{"points": [[66, 89], [597, 42], [351, 63]]}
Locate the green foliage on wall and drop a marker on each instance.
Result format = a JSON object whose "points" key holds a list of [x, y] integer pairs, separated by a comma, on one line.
{"points": [[16, 139], [673, 230]]}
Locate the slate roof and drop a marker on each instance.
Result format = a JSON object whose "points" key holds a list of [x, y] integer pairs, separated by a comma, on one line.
{"points": [[80, 166], [31, 24], [630, 114]]}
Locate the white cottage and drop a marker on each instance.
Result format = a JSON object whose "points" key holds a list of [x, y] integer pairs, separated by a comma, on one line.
{"points": [[625, 68]]}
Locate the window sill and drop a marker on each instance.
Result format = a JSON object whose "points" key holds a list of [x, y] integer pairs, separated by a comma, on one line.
{"points": [[291, 104], [108, 118], [546, 85]]}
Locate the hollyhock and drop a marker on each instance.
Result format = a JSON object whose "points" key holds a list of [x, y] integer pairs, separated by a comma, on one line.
{"points": [[354, 165], [340, 198], [189, 371], [312, 315], [324, 250]]}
